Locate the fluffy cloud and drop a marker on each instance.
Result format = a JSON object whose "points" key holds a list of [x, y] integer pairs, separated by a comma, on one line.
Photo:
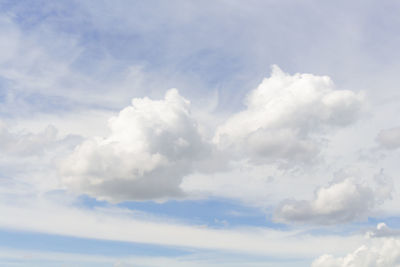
{"points": [[389, 138], [382, 230], [152, 144], [337, 203], [382, 253], [286, 116]]}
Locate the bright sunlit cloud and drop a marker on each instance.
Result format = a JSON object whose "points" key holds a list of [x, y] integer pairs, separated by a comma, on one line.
{"points": [[225, 133]]}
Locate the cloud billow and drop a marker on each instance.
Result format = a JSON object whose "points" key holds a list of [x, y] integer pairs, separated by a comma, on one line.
{"points": [[154, 144], [381, 253], [286, 116], [382, 230], [340, 202], [151, 146]]}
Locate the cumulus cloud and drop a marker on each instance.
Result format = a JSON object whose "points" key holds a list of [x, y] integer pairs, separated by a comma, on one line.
{"points": [[340, 202], [152, 144], [382, 230], [389, 138], [384, 253], [286, 116]]}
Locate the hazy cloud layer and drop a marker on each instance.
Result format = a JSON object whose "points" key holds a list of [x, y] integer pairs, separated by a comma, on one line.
{"points": [[40, 147], [25, 143], [286, 116], [389, 138]]}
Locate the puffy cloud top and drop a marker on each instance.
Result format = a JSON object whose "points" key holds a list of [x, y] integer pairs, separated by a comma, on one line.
{"points": [[383, 253], [154, 143], [338, 203], [382, 230], [151, 146], [284, 114]]}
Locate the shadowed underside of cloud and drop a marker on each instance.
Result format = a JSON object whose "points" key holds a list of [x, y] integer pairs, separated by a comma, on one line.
{"points": [[286, 116], [341, 202], [389, 138], [151, 146]]}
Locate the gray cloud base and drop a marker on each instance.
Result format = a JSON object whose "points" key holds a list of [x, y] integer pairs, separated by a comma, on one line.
{"points": [[389, 138]]}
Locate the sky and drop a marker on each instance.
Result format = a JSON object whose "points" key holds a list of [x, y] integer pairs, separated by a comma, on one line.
{"points": [[200, 133]]}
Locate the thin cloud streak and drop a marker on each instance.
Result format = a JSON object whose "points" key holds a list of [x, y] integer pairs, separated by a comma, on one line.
{"points": [[120, 225]]}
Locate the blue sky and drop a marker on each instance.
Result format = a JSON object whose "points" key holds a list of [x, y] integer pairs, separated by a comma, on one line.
{"points": [[199, 133]]}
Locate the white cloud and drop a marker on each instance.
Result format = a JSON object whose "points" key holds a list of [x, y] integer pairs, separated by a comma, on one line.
{"points": [[53, 216], [286, 116], [152, 144], [389, 138], [62, 55], [382, 230], [50, 258], [380, 253], [340, 202]]}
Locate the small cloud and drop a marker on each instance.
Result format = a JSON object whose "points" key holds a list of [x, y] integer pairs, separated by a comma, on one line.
{"points": [[382, 230], [340, 202], [26, 143], [223, 223]]}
